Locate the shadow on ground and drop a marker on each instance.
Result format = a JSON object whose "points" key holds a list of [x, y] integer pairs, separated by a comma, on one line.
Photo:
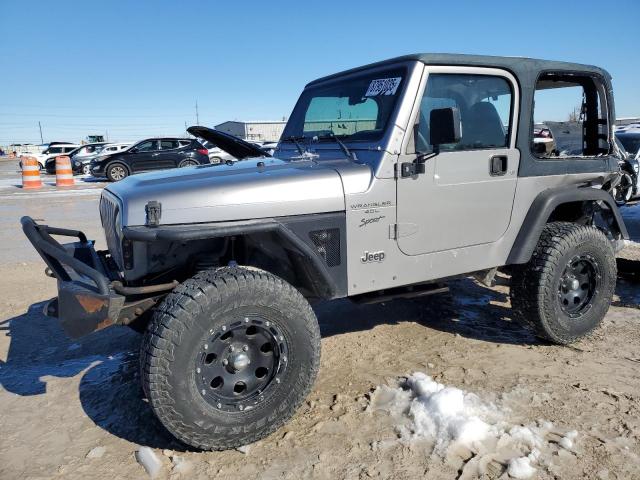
{"points": [[109, 389], [467, 310]]}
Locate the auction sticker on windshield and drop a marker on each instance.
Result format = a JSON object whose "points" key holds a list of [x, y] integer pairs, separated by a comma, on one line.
{"points": [[383, 86]]}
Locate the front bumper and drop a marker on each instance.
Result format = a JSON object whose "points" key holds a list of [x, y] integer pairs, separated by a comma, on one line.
{"points": [[97, 169], [86, 299]]}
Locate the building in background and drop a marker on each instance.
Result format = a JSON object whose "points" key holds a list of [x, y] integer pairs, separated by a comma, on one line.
{"points": [[269, 131], [620, 122]]}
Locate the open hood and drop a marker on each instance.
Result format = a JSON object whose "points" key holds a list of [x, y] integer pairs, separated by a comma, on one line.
{"points": [[232, 145]]}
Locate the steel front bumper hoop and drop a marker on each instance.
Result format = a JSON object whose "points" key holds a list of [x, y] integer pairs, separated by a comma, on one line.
{"points": [[86, 301]]}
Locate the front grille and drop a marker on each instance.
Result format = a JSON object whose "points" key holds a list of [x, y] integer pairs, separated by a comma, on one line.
{"points": [[327, 244], [109, 209]]}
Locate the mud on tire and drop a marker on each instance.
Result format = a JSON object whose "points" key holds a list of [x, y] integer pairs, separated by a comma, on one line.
{"points": [[229, 356], [543, 297]]}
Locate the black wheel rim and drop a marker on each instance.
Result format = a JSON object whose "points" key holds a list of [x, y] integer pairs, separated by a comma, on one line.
{"points": [[239, 365], [579, 285]]}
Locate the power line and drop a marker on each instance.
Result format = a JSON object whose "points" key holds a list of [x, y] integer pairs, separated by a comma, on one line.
{"points": [[161, 115]]}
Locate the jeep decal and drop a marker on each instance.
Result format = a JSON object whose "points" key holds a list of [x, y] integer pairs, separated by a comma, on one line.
{"points": [[369, 257]]}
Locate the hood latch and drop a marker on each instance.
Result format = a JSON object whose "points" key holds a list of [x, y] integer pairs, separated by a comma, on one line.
{"points": [[154, 212]]}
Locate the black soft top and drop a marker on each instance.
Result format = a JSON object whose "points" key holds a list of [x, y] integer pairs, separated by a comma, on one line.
{"points": [[521, 67]]}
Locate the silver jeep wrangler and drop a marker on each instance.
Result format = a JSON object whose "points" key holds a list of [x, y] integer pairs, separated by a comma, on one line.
{"points": [[389, 179]]}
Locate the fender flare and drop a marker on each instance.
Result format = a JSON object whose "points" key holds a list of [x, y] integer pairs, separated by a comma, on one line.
{"points": [[328, 283], [543, 206]]}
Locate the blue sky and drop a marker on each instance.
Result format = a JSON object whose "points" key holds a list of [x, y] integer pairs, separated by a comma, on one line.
{"points": [[136, 69]]}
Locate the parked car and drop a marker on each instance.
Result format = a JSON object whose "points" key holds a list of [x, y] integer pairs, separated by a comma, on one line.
{"points": [[269, 146], [52, 151], [83, 164], [629, 186], [543, 142], [216, 154], [227, 259], [219, 155], [630, 140], [150, 154], [80, 158], [111, 148]]}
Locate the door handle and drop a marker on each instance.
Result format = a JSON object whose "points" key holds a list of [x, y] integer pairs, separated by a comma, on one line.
{"points": [[155, 154], [498, 165]]}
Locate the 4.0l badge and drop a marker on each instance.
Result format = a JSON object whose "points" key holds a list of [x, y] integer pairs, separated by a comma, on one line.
{"points": [[372, 257]]}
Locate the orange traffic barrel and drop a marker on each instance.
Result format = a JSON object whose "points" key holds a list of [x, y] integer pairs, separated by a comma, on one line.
{"points": [[30, 173], [64, 175]]}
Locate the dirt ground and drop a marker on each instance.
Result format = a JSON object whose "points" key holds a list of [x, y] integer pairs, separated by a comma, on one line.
{"points": [[74, 409]]}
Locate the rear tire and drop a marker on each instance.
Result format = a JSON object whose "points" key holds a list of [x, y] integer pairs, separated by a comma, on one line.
{"points": [[253, 334], [565, 290], [187, 163]]}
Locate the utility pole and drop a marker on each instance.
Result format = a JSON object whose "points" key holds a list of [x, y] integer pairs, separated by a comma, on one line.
{"points": [[40, 127], [197, 117]]}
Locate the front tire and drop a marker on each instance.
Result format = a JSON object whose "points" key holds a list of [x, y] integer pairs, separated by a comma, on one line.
{"points": [[565, 290], [116, 172], [229, 356]]}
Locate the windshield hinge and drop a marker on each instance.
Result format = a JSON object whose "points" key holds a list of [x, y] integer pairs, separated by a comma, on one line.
{"points": [[393, 231]]}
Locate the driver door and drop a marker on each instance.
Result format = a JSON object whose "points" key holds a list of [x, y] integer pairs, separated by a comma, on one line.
{"points": [[465, 196], [143, 158]]}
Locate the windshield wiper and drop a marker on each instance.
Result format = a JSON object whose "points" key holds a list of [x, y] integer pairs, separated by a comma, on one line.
{"points": [[340, 143], [296, 142]]}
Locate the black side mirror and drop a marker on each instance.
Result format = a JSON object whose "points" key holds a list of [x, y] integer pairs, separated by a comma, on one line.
{"points": [[444, 126]]}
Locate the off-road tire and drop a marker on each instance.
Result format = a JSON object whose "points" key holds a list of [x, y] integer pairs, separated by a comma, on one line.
{"points": [[110, 169], [186, 318], [535, 285]]}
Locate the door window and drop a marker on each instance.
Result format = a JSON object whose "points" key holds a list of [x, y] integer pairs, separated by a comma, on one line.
{"points": [[484, 102], [55, 150], [147, 146]]}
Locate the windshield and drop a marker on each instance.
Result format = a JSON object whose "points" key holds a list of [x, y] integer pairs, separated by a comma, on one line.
{"points": [[631, 143], [354, 109]]}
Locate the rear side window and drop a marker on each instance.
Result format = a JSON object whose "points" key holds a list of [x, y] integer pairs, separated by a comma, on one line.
{"points": [[168, 144], [570, 117], [484, 103], [184, 143]]}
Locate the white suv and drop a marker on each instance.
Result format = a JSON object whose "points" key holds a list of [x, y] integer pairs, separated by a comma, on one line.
{"points": [[114, 148], [51, 151]]}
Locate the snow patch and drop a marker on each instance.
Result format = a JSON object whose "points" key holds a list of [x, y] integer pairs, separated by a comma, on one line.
{"points": [[146, 457], [457, 421], [96, 452], [521, 468]]}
